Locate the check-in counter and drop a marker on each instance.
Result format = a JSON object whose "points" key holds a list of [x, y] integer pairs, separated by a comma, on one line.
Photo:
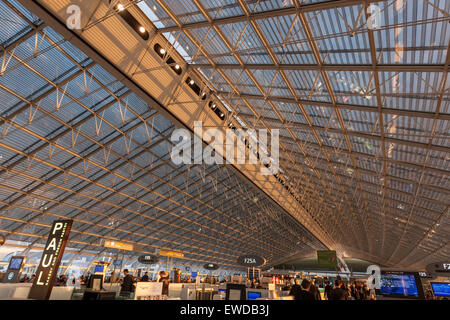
{"points": [[175, 290], [20, 291], [8, 290]]}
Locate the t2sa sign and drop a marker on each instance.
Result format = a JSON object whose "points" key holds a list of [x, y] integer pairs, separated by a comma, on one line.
{"points": [[250, 261], [51, 258]]}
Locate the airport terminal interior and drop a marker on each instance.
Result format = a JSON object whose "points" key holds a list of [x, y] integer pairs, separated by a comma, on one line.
{"points": [[224, 150]]}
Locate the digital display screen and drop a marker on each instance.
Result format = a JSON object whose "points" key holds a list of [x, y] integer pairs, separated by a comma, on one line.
{"points": [[441, 289], [222, 290], [399, 284], [253, 295], [194, 275], [15, 263], [98, 269]]}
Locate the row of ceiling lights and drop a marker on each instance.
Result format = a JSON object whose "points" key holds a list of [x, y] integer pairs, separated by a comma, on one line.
{"points": [[132, 21], [162, 53], [191, 83]]}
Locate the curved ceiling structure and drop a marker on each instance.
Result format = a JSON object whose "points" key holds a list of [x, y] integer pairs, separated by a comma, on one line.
{"points": [[358, 90]]}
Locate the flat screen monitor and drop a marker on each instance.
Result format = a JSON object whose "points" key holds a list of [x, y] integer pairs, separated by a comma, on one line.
{"points": [[194, 275], [235, 292], [15, 263], [441, 289], [401, 284], [251, 295], [96, 282], [99, 268], [223, 290]]}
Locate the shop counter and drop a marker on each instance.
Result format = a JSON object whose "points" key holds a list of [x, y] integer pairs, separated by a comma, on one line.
{"points": [[99, 295]]}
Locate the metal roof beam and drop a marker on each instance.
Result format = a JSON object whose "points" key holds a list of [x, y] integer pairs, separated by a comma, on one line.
{"points": [[269, 14], [329, 67], [400, 112], [355, 133]]}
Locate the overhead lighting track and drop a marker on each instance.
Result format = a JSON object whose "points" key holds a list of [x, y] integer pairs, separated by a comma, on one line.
{"points": [[162, 53], [133, 23]]}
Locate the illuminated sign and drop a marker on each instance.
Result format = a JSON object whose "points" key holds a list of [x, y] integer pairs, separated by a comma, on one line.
{"points": [[148, 259], [119, 245], [51, 258], [327, 258], [173, 254], [439, 268], [251, 261], [211, 266]]}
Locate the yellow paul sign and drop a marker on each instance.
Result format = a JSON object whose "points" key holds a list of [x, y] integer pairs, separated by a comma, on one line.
{"points": [[119, 245], [174, 254]]}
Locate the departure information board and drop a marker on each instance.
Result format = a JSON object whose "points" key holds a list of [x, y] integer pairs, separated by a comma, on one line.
{"points": [[399, 284]]}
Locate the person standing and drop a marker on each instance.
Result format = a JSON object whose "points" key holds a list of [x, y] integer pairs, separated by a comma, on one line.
{"points": [[306, 294], [164, 278], [62, 280], [145, 277], [362, 291], [296, 291], [314, 290], [127, 283], [354, 291], [328, 291], [338, 293]]}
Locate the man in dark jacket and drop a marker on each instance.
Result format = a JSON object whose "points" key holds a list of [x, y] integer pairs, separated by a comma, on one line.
{"points": [[165, 279], [354, 292], [338, 293], [306, 294], [127, 284], [145, 277], [314, 290], [296, 291], [328, 291], [362, 291]]}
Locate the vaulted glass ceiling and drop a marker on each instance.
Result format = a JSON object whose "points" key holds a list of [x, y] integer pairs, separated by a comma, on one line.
{"points": [[76, 143], [362, 104], [363, 116]]}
